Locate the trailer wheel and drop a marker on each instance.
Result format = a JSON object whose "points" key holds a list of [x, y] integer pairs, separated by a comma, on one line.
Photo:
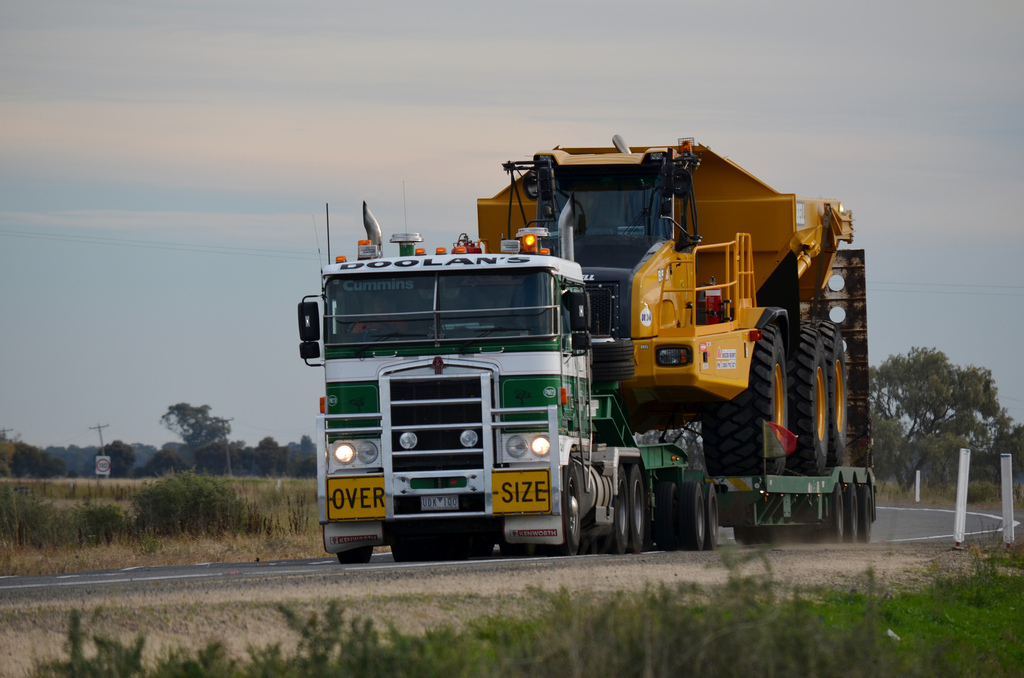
{"points": [[837, 521], [710, 517], [666, 508], [639, 510], [865, 513], [691, 516], [733, 430], [835, 356], [571, 517], [356, 556], [807, 382], [851, 513]]}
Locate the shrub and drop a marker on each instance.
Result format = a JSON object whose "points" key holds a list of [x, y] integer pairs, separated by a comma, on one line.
{"points": [[188, 504], [983, 492], [28, 521], [99, 523]]}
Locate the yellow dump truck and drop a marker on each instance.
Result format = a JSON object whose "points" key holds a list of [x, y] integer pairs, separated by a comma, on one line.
{"points": [[716, 287]]}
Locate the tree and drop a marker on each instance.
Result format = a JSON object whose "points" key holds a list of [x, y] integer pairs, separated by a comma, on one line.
{"points": [[6, 457], [31, 462], [270, 458], [925, 409], [122, 458], [194, 425], [164, 462]]}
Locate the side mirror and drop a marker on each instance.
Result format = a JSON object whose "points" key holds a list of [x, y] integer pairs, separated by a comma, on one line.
{"points": [[579, 311], [675, 181], [309, 350], [546, 184], [309, 322]]}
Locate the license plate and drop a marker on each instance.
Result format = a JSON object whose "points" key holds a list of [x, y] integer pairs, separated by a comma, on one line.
{"points": [[355, 498], [448, 502], [521, 491]]}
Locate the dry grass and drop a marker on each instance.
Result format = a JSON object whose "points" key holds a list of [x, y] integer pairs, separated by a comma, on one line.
{"points": [[285, 527]]}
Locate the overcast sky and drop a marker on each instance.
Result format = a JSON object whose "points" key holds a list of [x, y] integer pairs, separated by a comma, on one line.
{"points": [[164, 168]]}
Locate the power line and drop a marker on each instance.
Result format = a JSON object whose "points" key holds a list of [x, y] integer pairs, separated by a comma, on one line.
{"points": [[160, 245]]}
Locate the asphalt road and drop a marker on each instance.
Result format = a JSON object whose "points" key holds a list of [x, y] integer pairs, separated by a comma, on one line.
{"points": [[895, 524]]}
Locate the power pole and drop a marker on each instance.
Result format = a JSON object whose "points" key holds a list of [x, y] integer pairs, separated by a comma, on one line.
{"points": [[99, 428], [227, 449], [3, 433]]}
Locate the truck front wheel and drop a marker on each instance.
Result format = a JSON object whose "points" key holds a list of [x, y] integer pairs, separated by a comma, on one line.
{"points": [[571, 527]]}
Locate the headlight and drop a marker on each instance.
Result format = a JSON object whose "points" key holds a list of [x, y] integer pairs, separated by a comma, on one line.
{"points": [[367, 452], [344, 452], [469, 438], [540, 446], [674, 356], [516, 446], [408, 440]]}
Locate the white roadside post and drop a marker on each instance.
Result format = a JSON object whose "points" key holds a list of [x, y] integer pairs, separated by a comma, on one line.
{"points": [[917, 487], [1006, 469], [960, 519]]}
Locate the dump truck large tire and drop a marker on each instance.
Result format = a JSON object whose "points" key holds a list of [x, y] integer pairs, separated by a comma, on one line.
{"points": [[835, 354], [733, 430], [808, 404]]}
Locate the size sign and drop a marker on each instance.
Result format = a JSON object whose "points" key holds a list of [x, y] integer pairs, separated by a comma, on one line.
{"points": [[103, 466]]}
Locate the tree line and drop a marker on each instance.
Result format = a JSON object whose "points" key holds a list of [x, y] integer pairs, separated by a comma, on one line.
{"points": [[204, 447]]}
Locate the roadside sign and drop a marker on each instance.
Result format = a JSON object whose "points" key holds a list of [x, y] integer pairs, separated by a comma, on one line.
{"points": [[103, 466]]}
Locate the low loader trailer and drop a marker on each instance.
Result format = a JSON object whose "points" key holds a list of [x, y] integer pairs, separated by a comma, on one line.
{"points": [[495, 393]]}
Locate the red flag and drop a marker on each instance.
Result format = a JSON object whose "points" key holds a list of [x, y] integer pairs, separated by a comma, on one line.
{"points": [[786, 439]]}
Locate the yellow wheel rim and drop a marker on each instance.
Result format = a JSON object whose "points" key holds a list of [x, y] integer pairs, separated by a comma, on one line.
{"points": [[780, 397], [820, 406], [840, 394]]}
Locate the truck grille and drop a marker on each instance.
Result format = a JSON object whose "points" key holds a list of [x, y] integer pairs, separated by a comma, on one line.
{"points": [[437, 409], [603, 309]]}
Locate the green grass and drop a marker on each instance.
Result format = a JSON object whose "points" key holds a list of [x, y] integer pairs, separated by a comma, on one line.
{"points": [[964, 625]]}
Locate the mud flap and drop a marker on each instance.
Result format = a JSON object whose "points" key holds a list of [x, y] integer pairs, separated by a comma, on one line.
{"points": [[533, 529], [339, 537]]}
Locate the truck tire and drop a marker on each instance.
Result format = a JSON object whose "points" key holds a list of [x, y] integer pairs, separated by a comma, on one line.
{"points": [[615, 351], [733, 430], [851, 514], [835, 356], [666, 508], [356, 556], [833, 532], [639, 510], [808, 404], [616, 541], [571, 518], [691, 516], [710, 517], [865, 513]]}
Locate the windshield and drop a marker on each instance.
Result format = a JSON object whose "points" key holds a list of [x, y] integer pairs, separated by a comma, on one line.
{"points": [[615, 204], [453, 306]]}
